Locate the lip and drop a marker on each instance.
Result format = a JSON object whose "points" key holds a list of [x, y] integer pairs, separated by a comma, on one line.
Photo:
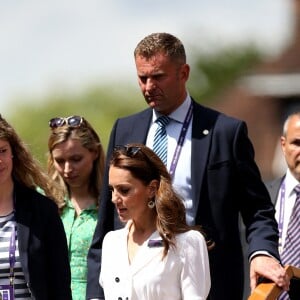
{"points": [[153, 98], [71, 178], [121, 211], [153, 102]]}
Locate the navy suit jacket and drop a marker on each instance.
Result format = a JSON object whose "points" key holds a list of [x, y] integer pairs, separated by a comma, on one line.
{"points": [[42, 246], [225, 183], [273, 188]]}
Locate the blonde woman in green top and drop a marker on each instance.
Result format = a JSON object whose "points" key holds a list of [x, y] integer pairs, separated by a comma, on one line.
{"points": [[76, 164]]}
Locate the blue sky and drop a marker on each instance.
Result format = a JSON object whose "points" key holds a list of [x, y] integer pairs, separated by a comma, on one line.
{"points": [[46, 45]]}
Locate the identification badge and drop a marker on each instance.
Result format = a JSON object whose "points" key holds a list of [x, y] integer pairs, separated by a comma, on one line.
{"points": [[6, 292]]}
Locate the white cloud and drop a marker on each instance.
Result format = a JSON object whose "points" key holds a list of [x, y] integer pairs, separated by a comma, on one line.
{"points": [[77, 42]]}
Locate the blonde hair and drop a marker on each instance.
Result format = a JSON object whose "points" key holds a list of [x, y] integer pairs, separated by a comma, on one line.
{"points": [[90, 140]]}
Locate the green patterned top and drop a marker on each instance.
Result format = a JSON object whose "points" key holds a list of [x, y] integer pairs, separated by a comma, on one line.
{"points": [[79, 231]]}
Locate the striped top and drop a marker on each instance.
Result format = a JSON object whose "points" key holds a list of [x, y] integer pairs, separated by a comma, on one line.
{"points": [[21, 292]]}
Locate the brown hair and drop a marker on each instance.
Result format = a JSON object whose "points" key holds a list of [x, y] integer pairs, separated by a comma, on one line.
{"points": [[161, 43], [146, 166], [26, 169]]}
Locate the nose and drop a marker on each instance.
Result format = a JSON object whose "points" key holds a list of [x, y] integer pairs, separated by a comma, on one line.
{"points": [[67, 167], [115, 198], [150, 85]]}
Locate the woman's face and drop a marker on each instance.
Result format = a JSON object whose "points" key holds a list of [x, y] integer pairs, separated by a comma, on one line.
{"points": [[74, 163], [6, 162], [129, 194]]}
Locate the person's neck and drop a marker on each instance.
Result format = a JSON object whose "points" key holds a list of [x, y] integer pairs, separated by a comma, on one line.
{"points": [[176, 105], [142, 231], [138, 233], [81, 199]]}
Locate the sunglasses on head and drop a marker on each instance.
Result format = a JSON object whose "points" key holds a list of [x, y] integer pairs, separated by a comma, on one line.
{"points": [[72, 121], [130, 151]]}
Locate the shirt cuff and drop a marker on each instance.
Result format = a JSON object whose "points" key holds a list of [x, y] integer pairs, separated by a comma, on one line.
{"points": [[261, 252]]}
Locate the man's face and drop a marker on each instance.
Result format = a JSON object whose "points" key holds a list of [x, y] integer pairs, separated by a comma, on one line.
{"points": [[291, 145], [162, 82]]}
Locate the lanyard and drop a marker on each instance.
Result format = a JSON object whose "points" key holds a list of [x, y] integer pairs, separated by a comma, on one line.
{"points": [[281, 214], [12, 248], [12, 257], [181, 138]]}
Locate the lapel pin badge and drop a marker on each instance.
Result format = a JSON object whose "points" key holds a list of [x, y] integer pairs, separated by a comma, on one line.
{"points": [[205, 132], [155, 243]]}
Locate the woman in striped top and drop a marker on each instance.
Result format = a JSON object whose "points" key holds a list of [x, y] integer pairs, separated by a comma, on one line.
{"points": [[33, 248]]}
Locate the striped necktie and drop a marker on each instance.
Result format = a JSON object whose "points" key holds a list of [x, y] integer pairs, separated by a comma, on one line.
{"points": [[160, 143], [291, 251]]}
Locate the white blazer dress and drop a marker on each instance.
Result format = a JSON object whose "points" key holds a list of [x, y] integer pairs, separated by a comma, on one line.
{"points": [[182, 275]]}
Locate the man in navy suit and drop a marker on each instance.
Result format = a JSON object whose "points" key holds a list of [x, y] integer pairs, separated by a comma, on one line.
{"points": [[282, 190], [211, 160]]}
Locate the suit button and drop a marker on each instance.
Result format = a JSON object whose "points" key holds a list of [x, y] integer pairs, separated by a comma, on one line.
{"points": [[117, 279], [119, 298]]}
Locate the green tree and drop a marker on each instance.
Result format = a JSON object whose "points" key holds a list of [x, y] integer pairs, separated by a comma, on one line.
{"points": [[101, 106], [213, 73]]}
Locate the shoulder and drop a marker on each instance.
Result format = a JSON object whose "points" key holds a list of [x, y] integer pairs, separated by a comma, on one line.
{"points": [[114, 235], [140, 115], [29, 198], [274, 183], [273, 187], [191, 237], [190, 244], [216, 118]]}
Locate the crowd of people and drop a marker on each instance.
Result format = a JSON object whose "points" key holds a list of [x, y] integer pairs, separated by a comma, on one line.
{"points": [[156, 216]]}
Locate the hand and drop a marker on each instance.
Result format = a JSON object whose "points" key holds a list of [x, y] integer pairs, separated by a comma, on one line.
{"points": [[270, 268]]}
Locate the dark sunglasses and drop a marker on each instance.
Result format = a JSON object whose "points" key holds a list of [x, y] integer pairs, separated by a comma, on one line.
{"points": [[72, 121], [130, 151]]}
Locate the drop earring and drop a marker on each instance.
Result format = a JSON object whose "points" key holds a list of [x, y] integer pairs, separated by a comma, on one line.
{"points": [[151, 204]]}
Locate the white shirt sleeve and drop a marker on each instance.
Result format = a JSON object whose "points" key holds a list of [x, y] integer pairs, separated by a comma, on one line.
{"points": [[195, 275]]}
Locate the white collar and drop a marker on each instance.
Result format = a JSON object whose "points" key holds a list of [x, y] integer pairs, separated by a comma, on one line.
{"points": [[290, 183]]}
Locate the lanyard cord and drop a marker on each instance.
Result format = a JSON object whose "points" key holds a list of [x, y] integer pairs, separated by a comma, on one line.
{"points": [[181, 138], [12, 247]]}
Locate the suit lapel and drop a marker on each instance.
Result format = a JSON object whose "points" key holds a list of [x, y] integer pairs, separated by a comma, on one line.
{"points": [[142, 127], [146, 254], [273, 189], [134, 131], [202, 127]]}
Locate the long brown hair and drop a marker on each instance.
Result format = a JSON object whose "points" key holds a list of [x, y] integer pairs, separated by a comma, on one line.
{"points": [[26, 169], [146, 166]]}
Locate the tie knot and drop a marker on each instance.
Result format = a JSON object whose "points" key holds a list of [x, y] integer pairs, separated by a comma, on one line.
{"points": [[163, 121], [297, 189]]}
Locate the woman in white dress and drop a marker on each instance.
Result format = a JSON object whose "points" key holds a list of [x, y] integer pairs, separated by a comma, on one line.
{"points": [[156, 255]]}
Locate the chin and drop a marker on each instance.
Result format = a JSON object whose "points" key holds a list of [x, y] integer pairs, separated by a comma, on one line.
{"points": [[123, 220]]}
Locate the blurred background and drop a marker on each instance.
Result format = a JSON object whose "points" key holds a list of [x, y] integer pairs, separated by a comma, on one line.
{"points": [[63, 57], [76, 57]]}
